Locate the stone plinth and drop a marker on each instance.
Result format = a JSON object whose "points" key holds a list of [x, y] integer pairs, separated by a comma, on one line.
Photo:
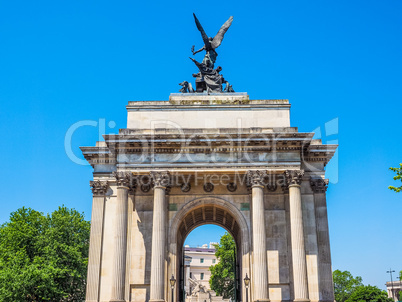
{"points": [[198, 110]]}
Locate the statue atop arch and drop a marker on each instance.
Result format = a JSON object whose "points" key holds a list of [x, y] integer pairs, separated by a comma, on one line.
{"points": [[210, 44], [208, 78]]}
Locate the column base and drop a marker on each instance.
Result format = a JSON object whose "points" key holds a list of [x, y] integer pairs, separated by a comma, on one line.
{"points": [[301, 300], [157, 300], [262, 300], [117, 300]]}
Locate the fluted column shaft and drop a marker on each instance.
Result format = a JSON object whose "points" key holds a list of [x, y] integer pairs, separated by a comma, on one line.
{"points": [[95, 244], [120, 244], [157, 291], [259, 246], [260, 263], [297, 238]]}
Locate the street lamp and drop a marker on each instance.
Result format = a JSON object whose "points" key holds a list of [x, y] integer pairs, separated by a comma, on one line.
{"points": [[392, 284], [246, 284], [172, 284]]}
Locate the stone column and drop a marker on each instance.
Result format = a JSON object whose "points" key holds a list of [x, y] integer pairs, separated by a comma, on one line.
{"points": [[293, 180], [161, 182], [187, 261], [260, 263], [120, 245], [99, 189], [326, 286]]}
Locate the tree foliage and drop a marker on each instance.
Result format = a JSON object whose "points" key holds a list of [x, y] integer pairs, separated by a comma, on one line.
{"points": [[44, 258], [222, 279], [368, 293], [398, 176], [345, 284]]}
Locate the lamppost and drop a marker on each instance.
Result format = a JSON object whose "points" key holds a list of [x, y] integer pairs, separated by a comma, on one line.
{"points": [[392, 284], [172, 284], [246, 284]]}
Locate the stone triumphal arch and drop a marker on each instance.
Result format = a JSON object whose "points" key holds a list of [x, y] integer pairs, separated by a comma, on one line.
{"points": [[209, 159]]}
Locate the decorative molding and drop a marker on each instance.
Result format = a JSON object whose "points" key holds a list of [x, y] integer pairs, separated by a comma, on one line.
{"points": [[232, 187], [256, 178], [98, 187], [319, 185], [293, 177], [160, 179], [208, 187]]}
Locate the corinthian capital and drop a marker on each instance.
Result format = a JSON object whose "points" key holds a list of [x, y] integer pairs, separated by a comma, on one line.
{"points": [[98, 187], [293, 177], [123, 179], [319, 185], [160, 179], [256, 178]]}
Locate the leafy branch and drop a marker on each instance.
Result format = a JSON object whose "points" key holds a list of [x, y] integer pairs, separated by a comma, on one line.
{"points": [[398, 176]]}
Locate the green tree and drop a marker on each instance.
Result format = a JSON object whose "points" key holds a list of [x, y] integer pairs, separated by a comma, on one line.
{"points": [[398, 176], [345, 284], [222, 279], [368, 293], [44, 258]]}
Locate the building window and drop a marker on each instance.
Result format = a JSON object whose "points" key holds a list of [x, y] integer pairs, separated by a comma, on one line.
{"points": [[202, 276], [202, 260], [191, 275], [213, 261]]}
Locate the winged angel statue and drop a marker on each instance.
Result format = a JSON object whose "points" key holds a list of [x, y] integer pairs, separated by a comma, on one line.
{"points": [[208, 79], [210, 44]]}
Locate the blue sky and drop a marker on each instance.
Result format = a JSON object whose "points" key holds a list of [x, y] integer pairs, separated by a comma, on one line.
{"points": [[62, 62]]}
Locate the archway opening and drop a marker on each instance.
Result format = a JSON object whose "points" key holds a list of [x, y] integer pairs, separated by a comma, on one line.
{"points": [[203, 219]]}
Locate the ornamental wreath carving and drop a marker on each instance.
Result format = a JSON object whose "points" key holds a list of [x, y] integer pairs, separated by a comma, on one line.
{"points": [[232, 187], [208, 187], [185, 187], [99, 187]]}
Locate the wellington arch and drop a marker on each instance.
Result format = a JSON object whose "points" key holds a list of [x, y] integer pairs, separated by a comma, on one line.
{"points": [[202, 158]]}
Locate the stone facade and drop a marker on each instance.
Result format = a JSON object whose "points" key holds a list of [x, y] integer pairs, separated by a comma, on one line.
{"points": [[394, 290], [199, 159], [197, 263]]}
